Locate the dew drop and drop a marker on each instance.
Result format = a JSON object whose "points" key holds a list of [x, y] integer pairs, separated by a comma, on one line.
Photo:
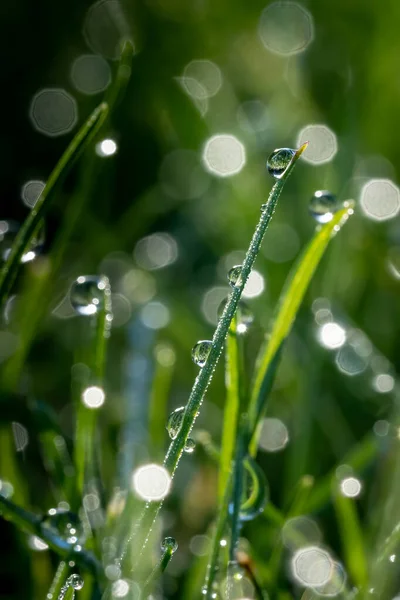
{"points": [[8, 233], [200, 352], [235, 276], [65, 523], [174, 422], [75, 581], [190, 446], [169, 544], [323, 205], [279, 161], [87, 294]]}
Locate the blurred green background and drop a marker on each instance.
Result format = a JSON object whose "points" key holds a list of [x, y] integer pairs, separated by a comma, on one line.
{"points": [[261, 73]]}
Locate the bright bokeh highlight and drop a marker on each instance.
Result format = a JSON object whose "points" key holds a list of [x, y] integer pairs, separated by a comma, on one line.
{"points": [[224, 155], [286, 28], [322, 144], [380, 199], [151, 482], [93, 397]]}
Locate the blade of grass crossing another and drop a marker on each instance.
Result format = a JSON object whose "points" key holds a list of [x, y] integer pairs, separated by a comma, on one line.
{"points": [[288, 305]]}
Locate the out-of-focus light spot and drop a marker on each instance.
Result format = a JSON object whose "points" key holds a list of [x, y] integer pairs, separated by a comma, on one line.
{"points": [[381, 428], [156, 251], [151, 482], [6, 489], [322, 144], [155, 315], [336, 583], [350, 487], [9, 343], [274, 435], [360, 342], [200, 545], [138, 286], [392, 558], [121, 310], [349, 362], [299, 531], [90, 74], [93, 397], [165, 354], [331, 335], [107, 147], [35, 543], [196, 92], [343, 471], [393, 262], [380, 199], [207, 74], [53, 112], [286, 28], [322, 316], [105, 27], [383, 383], [182, 176], [254, 285], [253, 116], [312, 566], [120, 588], [236, 585], [224, 155], [223, 543], [31, 191], [283, 243], [211, 302], [112, 572], [20, 435], [91, 502]]}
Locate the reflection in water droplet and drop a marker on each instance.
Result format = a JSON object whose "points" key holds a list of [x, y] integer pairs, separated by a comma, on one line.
{"points": [[169, 544], [175, 421], [279, 161], [190, 446], [87, 294], [200, 352], [323, 205], [8, 233], [234, 276]]}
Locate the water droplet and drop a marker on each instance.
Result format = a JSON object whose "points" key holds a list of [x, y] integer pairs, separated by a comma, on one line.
{"points": [[234, 276], [175, 421], [190, 446], [8, 233], [323, 205], [169, 544], [279, 161], [87, 293], [65, 523], [200, 352], [244, 315], [75, 581]]}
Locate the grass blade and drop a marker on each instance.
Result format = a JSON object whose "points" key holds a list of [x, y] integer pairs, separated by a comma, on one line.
{"points": [[31, 224], [290, 300]]}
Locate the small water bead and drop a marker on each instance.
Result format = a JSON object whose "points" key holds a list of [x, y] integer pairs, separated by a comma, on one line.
{"points": [[323, 205], [87, 293], [75, 581], [8, 233], [190, 446], [169, 544], [235, 276], [200, 352], [174, 422], [279, 161]]}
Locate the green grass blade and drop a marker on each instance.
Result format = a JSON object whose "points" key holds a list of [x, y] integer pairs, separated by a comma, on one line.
{"points": [[290, 300], [352, 539], [28, 229]]}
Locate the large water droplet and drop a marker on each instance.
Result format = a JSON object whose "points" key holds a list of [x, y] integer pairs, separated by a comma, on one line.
{"points": [[174, 422], [323, 205], [75, 581], [87, 293], [200, 352], [169, 544], [190, 446], [244, 315], [8, 233], [279, 161], [235, 276]]}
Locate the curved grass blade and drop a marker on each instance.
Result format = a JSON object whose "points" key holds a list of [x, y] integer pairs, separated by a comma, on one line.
{"points": [[31, 224], [290, 300]]}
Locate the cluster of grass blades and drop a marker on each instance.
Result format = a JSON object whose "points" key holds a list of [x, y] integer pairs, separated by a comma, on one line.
{"points": [[129, 568]]}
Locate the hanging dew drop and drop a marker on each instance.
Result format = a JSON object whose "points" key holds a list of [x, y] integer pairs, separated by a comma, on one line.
{"points": [[200, 352], [323, 205], [75, 581], [174, 422], [190, 446], [235, 276], [169, 544], [279, 161], [87, 294]]}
